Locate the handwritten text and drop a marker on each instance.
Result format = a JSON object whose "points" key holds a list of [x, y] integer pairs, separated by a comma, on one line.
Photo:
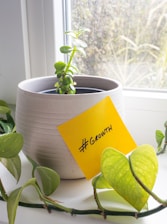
{"points": [[93, 139]]}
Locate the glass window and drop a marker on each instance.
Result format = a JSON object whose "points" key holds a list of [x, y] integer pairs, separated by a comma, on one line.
{"points": [[127, 42]]}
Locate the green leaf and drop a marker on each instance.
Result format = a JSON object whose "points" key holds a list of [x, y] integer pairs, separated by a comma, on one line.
{"points": [[66, 49], [59, 66], [12, 204], [13, 165], [145, 164], [49, 178], [159, 136], [10, 144], [4, 110], [113, 201], [71, 90], [67, 80], [3, 192], [7, 127], [100, 182], [3, 103], [116, 170], [10, 120], [14, 198]]}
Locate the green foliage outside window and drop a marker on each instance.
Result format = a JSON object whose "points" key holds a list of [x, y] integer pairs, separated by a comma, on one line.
{"points": [[127, 40]]}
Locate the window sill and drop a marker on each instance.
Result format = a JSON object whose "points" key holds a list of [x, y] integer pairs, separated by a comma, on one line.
{"points": [[78, 194]]}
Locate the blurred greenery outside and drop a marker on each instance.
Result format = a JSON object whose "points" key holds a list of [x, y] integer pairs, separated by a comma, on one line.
{"points": [[127, 42]]}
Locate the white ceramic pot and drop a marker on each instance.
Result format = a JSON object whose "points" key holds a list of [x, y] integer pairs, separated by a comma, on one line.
{"points": [[38, 115]]}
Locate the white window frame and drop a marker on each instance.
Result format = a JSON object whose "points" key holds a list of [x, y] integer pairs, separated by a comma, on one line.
{"points": [[43, 33], [12, 66], [42, 21]]}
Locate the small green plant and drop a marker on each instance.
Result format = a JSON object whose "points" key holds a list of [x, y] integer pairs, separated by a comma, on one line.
{"points": [[161, 139], [65, 71]]}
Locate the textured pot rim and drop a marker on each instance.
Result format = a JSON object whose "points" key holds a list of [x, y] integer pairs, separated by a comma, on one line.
{"points": [[33, 86]]}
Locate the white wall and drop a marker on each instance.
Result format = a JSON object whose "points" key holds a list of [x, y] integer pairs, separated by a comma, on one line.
{"points": [[145, 112], [12, 67]]}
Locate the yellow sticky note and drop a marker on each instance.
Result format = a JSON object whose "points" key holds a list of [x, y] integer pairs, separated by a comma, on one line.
{"points": [[90, 132]]}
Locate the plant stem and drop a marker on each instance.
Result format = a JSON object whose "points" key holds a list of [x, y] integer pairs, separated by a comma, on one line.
{"points": [[48, 200], [100, 207], [92, 211], [165, 142], [159, 200], [71, 58]]}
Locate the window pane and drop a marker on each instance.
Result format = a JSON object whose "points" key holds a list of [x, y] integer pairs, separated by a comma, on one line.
{"points": [[128, 40]]}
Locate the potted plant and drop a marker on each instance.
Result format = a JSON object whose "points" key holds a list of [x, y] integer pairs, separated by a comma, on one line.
{"points": [[39, 112]]}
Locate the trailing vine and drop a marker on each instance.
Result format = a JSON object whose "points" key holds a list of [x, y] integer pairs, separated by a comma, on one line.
{"points": [[112, 161]]}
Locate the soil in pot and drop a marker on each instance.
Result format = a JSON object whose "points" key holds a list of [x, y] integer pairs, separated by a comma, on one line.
{"points": [[79, 90]]}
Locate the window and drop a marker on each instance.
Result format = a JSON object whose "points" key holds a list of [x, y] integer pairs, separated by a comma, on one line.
{"points": [[127, 42]]}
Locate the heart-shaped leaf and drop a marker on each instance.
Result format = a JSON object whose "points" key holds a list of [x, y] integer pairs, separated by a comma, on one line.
{"points": [[14, 198], [10, 144], [12, 204], [59, 66], [116, 170], [13, 165], [49, 178], [99, 182], [66, 49]]}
